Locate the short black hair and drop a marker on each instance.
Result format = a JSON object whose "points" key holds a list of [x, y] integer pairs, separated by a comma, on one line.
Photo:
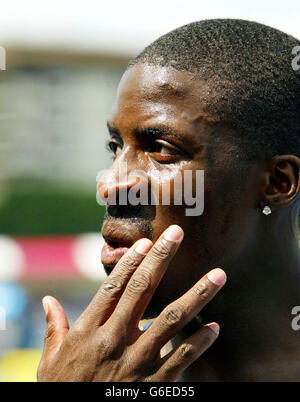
{"points": [[248, 69]]}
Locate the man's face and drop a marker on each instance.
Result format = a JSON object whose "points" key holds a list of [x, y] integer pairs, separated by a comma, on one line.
{"points": [[159, 126]]}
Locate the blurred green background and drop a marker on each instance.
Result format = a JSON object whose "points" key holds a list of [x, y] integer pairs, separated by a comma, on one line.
{"points": [[38, 208], [53, 111]]}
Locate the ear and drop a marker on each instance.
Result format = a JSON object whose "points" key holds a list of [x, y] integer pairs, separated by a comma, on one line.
{"points": [[281, 181]]}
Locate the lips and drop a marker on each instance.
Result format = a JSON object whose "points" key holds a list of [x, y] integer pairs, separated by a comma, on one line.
{"points": [[110, 255], [119, 237]]}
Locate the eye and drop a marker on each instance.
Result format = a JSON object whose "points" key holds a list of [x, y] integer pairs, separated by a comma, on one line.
{"points": [[113, 146], [163, 151], [165, 148]]}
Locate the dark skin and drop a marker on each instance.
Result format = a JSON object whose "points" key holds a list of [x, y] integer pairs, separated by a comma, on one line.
{"points": [[259, 253]]}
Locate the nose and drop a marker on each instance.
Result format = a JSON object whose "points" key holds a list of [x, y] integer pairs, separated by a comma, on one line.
{"points": [[123, 186]]}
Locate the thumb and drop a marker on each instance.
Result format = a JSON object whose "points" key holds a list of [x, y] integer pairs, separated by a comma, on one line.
{"points": [[57, 329]]}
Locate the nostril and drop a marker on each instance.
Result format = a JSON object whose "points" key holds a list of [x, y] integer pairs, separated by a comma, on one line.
{"points": [[123, 211], [112, 244]]}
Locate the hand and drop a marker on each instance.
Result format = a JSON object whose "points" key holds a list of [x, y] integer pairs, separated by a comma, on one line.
{"points": [[105, 343]]}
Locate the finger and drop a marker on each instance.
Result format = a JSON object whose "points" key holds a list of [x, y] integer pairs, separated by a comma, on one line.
{"points": [[177, 314], [57, 329], [146, 278], [174, 363], [109, 293]]}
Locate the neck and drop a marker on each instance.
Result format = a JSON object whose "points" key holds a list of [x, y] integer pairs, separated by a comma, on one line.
{"points": [[256, 341]]}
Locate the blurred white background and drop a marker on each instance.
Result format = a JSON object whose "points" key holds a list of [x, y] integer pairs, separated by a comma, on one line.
{"points": [[125, 27]]}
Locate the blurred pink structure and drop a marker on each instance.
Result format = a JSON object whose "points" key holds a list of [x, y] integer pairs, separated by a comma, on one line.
{"points": [[51, 257]]}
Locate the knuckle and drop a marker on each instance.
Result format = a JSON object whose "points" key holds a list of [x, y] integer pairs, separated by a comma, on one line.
{"points": [[112, 286], [140, 283], [106, 347], [50, 332], [187, 352], [173, 316], [131, 261], [109, 343], [202, 290], [161, 250]]}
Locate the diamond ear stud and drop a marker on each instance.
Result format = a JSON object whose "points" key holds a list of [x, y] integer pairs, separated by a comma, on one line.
{"points": [[266, 210]]}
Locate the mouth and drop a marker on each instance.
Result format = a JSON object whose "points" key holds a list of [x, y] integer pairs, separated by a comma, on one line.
{"points": [[118, 237], [110, 255]]}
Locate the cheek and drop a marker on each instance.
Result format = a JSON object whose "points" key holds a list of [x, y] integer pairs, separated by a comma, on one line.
{"points": [[170, 206], [226, 227], [221, 229]]}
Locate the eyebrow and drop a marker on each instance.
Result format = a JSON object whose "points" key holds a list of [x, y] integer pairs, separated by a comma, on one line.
{"points": [[113, 130], [156, 131]]}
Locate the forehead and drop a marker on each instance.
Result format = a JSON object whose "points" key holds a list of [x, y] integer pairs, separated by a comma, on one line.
{"points": [[151, 81], [148, 92]]}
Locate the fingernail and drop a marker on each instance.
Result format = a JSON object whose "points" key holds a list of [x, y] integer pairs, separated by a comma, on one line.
{"points": [[45, 305], [214, 327], [143, 246], [174, 233], [217, 276]]}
